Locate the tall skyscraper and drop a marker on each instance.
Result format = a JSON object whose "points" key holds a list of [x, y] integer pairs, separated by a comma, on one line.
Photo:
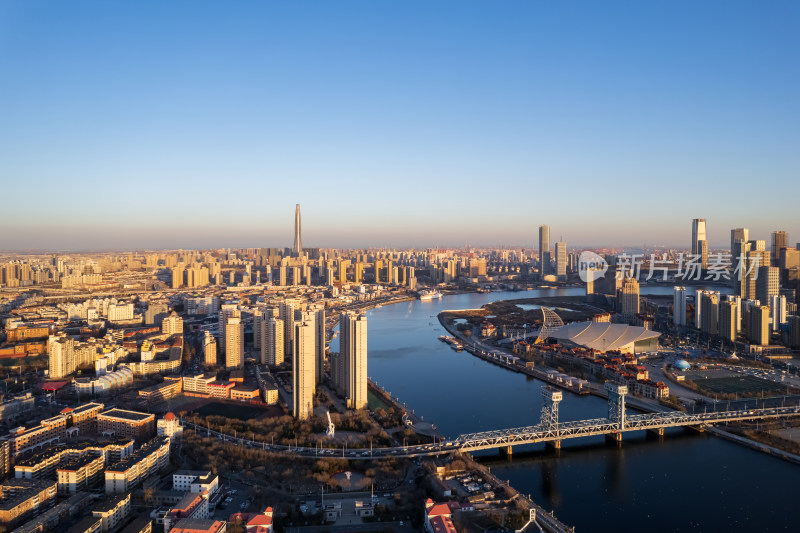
{"points": [[209, 349], [286, 313], [794, 331], [561, 259], [225, 312], [780, 240], [353, 351], [61, 360], [679, 306], [738, 234], [177, 276], [740, 251], [319, 340], [767, 283], [303, 370], [358, 272], [629, 299], [544, 250], [758, 328], [698, 308], [727, 320], [172, 325], [757, 257], [738, 319], [297, 248], [709, 314], [698, 238], [272, 343], [234, 342], [777, 306]]}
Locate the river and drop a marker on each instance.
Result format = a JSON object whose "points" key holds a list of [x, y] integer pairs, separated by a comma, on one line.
{"points": [[685, 482]]}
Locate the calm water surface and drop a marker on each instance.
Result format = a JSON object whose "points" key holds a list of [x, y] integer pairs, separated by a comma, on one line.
{"points": [[685, 482]]}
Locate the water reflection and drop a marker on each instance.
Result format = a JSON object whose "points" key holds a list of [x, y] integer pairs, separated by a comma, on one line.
{"points": [[683, 482]]}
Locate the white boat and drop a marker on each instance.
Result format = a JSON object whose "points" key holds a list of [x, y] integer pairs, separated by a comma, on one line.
{"points": [[429, 295]]}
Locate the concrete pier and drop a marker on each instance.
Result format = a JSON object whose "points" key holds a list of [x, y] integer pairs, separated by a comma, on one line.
{"points": [[554, 444]]}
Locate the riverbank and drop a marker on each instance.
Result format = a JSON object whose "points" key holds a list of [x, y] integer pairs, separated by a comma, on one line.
{"points": [[508, 361], [591, 486], [545, 519], [418, 424], [500, 358]]}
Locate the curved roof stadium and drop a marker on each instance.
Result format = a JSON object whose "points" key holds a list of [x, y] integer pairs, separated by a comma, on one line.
{"points": [[605, 336]]}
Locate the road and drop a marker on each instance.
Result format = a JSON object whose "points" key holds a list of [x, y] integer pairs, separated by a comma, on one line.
{"points": [[377, 527]]}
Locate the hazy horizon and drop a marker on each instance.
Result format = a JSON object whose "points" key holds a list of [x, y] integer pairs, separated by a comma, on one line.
{"points": [[199, 124]]}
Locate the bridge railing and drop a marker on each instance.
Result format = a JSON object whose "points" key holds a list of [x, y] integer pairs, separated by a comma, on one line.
{"points": [[528, 434]]}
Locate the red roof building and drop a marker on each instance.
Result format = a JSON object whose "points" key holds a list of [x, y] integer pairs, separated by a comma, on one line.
{"points": [[437, 518], [254, 522]]}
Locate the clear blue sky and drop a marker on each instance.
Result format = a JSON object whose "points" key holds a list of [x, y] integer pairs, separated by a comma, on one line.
{"points": [[199, 124]]}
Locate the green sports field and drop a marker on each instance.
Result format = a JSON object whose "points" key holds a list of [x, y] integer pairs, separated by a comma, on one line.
{"points": [[741, 385]]}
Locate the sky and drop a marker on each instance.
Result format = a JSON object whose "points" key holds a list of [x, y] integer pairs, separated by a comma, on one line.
{"points": [[194, 124]]}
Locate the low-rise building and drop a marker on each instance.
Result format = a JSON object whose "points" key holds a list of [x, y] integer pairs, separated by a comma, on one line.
{"points": [[20, 499], [126, 423], [80, 474], [200, 526], [191, 506], [244, 393], [16, 408], [255, 522], [112, 511], [199, 383], [44, 464], [65, 426], [438, 518], [167, 389], [169, 426], [143, 524], [58, 514], [221, 389], [87, 524], [148, 460], [182, 479]]}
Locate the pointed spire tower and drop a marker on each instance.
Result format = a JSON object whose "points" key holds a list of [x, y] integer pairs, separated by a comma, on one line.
{"points": [[297, 248]]}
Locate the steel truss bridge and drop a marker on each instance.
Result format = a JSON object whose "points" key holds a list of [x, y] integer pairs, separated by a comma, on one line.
{"points": [[548, 430], [551, 430]]}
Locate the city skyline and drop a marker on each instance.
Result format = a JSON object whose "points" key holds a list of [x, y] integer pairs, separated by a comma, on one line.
{"points": [[526, 228], [614, 243], [128, 128]]}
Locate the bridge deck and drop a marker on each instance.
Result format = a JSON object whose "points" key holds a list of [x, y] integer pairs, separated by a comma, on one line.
{"points": [[521, 435]]}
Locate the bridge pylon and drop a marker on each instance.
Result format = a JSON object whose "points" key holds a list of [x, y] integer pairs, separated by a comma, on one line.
{"points": [[616, 403], [549, 418]]}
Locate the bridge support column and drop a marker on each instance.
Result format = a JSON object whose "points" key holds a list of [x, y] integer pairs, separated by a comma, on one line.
{"points": [[658, 432], [614, 437], [554, 444], [508, 451]]}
